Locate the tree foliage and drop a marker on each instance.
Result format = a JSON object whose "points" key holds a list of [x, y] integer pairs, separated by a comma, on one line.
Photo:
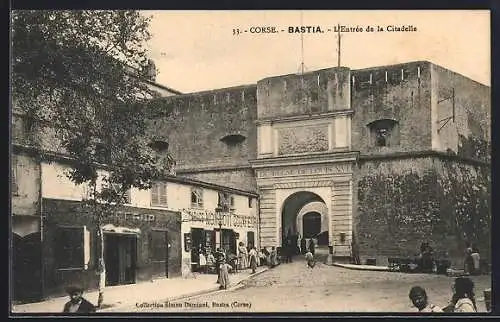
{"points": [[78, 72], [72, 71]]}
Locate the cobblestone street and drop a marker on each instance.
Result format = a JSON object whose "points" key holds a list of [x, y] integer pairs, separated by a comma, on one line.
{"points": [[294, 288]]}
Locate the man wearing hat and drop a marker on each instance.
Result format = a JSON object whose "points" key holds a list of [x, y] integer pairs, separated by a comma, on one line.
{"points": [[77, 304]]}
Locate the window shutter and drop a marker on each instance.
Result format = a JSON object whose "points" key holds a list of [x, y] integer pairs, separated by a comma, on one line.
{"points": [[200, 197], [163, 194], [86, 247], [70, 247], [154, 194]]}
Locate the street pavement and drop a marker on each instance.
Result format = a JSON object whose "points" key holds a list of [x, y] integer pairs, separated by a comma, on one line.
{"points": [[120, 298], [295, 288]]}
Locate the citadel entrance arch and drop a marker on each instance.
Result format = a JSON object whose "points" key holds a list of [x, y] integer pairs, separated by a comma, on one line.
{"points": [[309, 225], [289, 192]]}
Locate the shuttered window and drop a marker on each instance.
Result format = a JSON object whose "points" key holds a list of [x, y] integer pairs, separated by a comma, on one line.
{"points": [[72, 247], [226, 201], [159, 194]]}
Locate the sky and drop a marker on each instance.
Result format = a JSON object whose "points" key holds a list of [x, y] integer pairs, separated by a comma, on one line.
{"points": [[196, 50]]}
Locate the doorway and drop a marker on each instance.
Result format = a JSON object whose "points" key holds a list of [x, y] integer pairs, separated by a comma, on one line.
{"points": [[26, 267], [229, 241], [251, 239], [159, 252], [120, 257], [311, 224], [197, 243], [295, 227]]}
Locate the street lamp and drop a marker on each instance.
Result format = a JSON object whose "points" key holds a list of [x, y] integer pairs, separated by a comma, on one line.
{"points": [[218, 212], [220, 234]]}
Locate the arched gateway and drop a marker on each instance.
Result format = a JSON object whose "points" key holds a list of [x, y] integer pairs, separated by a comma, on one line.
{"points": [[284, 204], [304, 159], [304, 217]]}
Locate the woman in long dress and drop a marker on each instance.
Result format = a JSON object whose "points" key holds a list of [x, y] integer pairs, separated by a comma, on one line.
{"points": [[273, 257], [242, 256], [224, 269], [252, 255]]}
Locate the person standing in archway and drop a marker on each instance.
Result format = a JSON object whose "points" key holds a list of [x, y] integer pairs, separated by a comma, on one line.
{"points": [[303, 245], [310, 259], [311, 246], [289, 249]]}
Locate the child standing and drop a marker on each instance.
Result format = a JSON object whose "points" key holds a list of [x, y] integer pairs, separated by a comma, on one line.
{"points": [[310, 259], [224, 269]]}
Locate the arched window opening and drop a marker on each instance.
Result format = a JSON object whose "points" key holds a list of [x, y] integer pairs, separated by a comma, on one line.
{"points": [[384, 133], [159, 145], [233, 139]]}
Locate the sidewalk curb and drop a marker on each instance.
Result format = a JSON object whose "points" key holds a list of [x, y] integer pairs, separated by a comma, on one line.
{"points": [[192, 294], [381, 269]]}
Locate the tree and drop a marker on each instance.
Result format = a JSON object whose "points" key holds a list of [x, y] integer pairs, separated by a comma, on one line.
{"points": [[71, 71]]}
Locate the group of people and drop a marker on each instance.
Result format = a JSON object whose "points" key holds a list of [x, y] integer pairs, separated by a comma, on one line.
{"points": [[247, 257], [426, 258], [463, 298], [225, 263], [427, 263], [206, 261], [472, 261]]}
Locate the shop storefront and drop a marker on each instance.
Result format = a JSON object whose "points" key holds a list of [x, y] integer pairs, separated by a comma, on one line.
{"points": [[140, 244], [207, 231]]}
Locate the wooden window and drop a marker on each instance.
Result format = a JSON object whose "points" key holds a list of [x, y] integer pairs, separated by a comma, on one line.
{"points": [[224, 202], [159, 194], [250, 202], [69, 247], [196, 197]]}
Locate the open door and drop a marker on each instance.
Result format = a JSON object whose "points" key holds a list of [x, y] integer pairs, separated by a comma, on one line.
{"points": [[120, 256]]}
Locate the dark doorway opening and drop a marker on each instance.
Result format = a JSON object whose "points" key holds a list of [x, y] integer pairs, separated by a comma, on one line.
{"points": [[197, 243], [250, 239], [229, 241], [159, 252], [289, 231], [27, 267], [311, 223], [120, 257]]}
